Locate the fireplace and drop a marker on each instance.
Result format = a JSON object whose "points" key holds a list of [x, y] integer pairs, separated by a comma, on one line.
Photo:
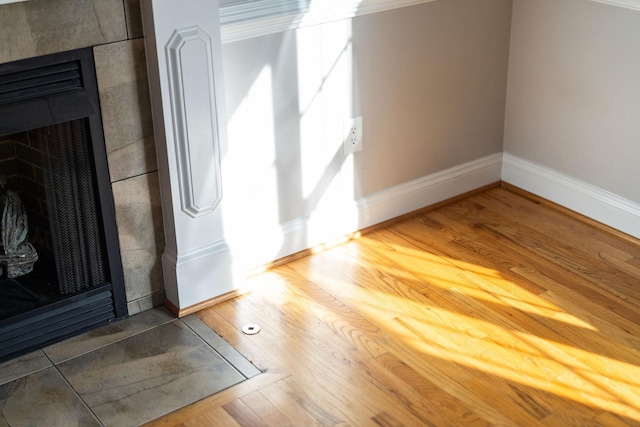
{"points": [[61, 266]]}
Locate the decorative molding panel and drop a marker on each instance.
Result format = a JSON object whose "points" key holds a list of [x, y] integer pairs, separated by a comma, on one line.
{"points": [[579, 196], [193, 105], [184, 62], [247, 19]]}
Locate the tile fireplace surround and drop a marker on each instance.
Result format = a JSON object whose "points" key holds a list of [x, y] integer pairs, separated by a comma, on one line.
{"points": [[114, 30]]}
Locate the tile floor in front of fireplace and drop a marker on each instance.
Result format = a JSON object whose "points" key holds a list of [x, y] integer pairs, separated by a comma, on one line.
{"points": [[124, 374]]}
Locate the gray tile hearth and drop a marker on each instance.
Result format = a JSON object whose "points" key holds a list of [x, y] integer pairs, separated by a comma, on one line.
{"points": [[102, 337], [22, 366], [168, 365], [124, 374], [43, 398]]}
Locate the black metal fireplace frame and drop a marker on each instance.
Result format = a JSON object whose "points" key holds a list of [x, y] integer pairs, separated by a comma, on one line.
{"points": [[63, 101]]}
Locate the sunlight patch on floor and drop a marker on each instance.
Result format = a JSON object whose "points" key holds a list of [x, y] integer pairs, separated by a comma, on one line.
{"points": [[466, 318]]}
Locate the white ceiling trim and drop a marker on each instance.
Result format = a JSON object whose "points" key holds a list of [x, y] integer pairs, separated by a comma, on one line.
{"points": [[247, 19], [629, 4], [244, 19]]}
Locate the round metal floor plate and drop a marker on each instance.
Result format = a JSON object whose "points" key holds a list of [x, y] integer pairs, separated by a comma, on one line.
{"points": [[251, 329]]}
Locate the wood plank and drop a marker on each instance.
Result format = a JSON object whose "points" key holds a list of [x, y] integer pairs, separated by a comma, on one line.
{"points": [[491, 310], [259, 404]]}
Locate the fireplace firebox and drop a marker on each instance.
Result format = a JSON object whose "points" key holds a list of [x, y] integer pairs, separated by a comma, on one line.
{"points": [[61, 270]]}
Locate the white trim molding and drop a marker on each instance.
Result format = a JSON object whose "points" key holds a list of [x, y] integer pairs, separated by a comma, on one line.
{"points": [[429, 190], [395, 201], [627, 4], [198, 275], [586, 199], [189, 54], [184, 57], [247, 19]]}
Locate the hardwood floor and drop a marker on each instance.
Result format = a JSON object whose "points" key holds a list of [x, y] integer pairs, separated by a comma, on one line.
{"points": [[494, 310]]}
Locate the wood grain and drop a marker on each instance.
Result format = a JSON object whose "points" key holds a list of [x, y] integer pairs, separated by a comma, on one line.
{"points": [[495, 309]]}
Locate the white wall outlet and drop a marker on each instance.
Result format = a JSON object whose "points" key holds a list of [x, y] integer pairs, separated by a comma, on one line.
{"points": [[352, 132]]}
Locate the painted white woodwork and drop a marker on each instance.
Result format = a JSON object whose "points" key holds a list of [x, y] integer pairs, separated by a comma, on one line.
{"points": [[189, 61], [298, 234], [246, 19], [628, 4], [579, 196], [428, 190], [183, 46], [183, 42]]}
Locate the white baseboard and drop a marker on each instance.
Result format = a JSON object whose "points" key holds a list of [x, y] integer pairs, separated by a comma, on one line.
{"points": [[393, 202], [579, 196], [431, 189], [198, 275]]}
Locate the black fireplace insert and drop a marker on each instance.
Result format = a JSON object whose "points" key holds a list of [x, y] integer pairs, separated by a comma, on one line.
{"points": [[60, 265]]}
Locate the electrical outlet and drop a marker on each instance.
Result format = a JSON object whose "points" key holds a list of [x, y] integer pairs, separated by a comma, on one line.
{"points": [[352, 135]]}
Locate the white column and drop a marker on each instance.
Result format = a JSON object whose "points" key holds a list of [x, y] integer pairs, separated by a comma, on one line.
{"points": [[183, 48]]}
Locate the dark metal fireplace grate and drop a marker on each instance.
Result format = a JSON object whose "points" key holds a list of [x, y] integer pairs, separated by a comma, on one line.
{"points": [[43, 81], [73, 217], [55, 322], [50, 114]]}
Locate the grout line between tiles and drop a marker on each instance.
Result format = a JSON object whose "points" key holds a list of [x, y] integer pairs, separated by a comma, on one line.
{"points": [[213, 348], [247, 372], [75, 392], [27, 373], [102, 346]]}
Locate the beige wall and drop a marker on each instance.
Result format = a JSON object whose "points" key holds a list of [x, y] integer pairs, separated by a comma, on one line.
{"points": [[573, 101], [428, 80]]}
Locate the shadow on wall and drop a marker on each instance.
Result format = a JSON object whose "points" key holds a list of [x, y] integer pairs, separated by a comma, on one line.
{"points": [[287, 183]]}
